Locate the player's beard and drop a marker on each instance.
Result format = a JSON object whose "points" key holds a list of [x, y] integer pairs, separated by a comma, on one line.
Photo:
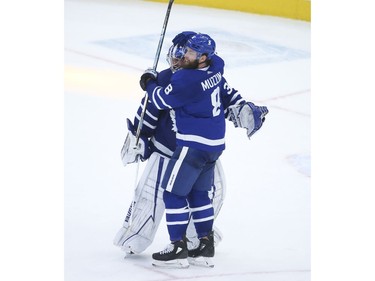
{"points": [[190, 64]]}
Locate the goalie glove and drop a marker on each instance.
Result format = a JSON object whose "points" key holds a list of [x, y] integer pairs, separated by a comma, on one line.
{"points": [[131, 153], [248, 115]]}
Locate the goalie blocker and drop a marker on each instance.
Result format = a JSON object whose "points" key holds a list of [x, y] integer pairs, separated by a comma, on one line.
{"points": [[148, 208]]}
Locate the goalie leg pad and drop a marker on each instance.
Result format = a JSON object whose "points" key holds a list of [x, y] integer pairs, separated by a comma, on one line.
{"points": [[148, 209], [219, 188]]}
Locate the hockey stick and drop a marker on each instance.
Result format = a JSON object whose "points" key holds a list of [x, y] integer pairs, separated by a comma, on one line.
{"points": [[128, 217], [156, 60]]}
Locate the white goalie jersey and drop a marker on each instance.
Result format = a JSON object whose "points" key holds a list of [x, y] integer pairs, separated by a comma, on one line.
{"points": [[147, 208]]}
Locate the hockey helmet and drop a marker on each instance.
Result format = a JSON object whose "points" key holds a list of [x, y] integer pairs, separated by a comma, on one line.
{"points": [[202, 44], [181, 38]]}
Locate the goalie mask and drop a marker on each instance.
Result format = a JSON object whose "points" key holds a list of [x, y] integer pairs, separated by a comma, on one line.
{"points": [[174, 57]]}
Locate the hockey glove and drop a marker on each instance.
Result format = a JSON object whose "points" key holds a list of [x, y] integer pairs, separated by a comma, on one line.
{"points": [[249, 116], [131, 153], [147, 75]]}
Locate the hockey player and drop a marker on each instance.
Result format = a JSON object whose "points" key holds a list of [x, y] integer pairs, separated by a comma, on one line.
{"points": [[147, 208], [194, 96]]}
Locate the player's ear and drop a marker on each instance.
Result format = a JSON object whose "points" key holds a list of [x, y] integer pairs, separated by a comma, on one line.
{"points": [[203, 58]]}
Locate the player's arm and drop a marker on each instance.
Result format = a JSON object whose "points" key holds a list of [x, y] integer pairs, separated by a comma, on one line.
{"points": [[243, 114], [230, 97], [150, 119], [151, 116], [180, 91], [131, 153]]}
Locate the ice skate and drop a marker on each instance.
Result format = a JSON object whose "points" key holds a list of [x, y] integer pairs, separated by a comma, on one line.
{"points": [[173, 256], [203, 255]]}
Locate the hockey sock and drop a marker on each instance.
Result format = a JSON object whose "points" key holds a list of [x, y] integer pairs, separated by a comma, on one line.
{"points": [[202, 212], [177, 215]]}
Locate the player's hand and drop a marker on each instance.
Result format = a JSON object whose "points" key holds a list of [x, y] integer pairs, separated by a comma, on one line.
{"points": [[131, 152], [146, 76]]}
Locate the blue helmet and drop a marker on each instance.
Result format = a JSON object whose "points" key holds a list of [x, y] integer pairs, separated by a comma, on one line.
{"points": [[181, 38], [202, 44]]}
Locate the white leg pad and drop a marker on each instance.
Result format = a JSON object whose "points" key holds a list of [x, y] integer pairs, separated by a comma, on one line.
{"points": [[148, 209]]}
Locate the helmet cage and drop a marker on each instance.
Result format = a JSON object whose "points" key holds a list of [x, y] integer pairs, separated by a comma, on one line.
{"points": [[174, 56]]}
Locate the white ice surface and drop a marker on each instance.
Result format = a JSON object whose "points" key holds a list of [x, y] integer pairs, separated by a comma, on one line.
{"points": [[265, 219]]}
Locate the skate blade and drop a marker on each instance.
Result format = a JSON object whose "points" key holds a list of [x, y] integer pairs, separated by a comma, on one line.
{"points": [[179, 263], [128, 254], [201, 261], [128, 250]]}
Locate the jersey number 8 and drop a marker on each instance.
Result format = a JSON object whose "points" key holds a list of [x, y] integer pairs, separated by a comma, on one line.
{"points": [[215, 100]]}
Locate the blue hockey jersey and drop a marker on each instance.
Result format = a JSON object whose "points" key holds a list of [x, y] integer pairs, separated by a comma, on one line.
{"points": [[194, 97], [158, 124]]}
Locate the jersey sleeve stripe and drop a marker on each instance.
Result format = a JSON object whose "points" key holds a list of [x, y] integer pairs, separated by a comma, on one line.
{"points": [[161, 99], [235, 96], [151, 115], [146, 123], [149, 125], [154, 100]]}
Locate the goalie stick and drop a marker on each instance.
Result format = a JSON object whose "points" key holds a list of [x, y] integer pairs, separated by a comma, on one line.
{"points": [[156, 60], [140, 123]]}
